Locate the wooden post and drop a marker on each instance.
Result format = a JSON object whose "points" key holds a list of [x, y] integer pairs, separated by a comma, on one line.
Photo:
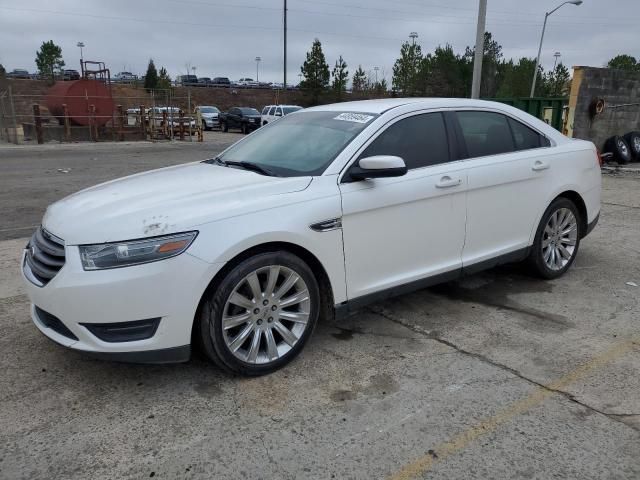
{"points": [[165, 129], [67, 123], [181, 125], [142, 126], [120, 123], [38, 121], [92, 123]]}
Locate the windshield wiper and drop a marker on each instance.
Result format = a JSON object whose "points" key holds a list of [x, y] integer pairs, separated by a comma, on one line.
{"points": [[216, 161], [249, 166]]}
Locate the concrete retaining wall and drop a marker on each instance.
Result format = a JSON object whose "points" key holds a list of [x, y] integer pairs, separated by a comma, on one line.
{"points": [[621, 92]]}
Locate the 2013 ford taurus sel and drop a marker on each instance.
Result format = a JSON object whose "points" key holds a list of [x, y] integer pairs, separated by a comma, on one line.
{"points": [[311, 216]]}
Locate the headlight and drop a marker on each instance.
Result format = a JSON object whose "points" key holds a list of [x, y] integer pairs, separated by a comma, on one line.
{"points": [[135, 252]]}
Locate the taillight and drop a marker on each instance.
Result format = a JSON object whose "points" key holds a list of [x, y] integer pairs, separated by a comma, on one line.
{"points": [[600, 160]]}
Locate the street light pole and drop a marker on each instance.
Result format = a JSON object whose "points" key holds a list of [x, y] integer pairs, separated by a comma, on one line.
{"points": [[479, 54], [81, 45], [376, 70], [544, 26], [258, 59], [556, 55]]}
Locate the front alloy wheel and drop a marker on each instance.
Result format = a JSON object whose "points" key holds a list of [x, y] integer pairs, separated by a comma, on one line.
{"points": [[266, 314], [261, 314]]}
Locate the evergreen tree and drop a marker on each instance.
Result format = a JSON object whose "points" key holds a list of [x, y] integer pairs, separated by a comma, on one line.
{"points": [[3, 72], [406, 69], [164, 80], [340, 77], [359, 82], [315, 71], [49, 60], [151, 78], [556, 82], [624, 62]]}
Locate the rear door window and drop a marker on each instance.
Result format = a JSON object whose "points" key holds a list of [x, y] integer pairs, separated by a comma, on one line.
{"points": [[485, 133], [525, 138], [421, 140], [272, 111]]}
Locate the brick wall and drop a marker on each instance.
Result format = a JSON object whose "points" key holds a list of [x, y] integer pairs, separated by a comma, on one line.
{"points": [[617, 88]]}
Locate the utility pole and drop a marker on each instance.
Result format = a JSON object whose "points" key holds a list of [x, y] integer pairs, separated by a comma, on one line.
{"points": [[413, 36], [257, 66], [284, 83], [556, 55], [376, 70], [479, 54]]}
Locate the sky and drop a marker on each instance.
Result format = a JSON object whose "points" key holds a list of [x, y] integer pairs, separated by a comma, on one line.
{"points": [[223, 37]]}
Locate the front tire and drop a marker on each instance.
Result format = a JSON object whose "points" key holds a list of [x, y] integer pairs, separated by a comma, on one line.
{"points": [[261, 314], [224, 127], [557, 239]]}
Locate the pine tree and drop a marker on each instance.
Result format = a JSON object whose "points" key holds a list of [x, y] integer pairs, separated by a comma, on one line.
{"points": [[164, 80], [315, 71], [151, 78], [359, 82], [406, 68], [49, 60], [340, 77]]}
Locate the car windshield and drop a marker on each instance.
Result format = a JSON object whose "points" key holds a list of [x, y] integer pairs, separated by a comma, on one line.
{"points": [[209, 110], [301, 144], [249, 111], [288, 110]]}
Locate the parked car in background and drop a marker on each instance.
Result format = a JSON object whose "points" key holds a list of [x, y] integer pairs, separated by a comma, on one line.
{"points": [[271, 113], [313, 216], [188, 80], [247, 83], [221, 82], [204, 81], [70, 75], [19, 73], [245, 118], [209, 115], [125, 77]]}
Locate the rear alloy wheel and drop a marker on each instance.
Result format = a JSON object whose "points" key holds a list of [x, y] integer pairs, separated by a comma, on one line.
{"points": [[557, 239], [261, 315]]}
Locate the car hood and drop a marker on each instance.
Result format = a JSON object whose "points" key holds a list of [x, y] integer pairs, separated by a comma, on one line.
{"points": [[209, 115], [168, 200]]}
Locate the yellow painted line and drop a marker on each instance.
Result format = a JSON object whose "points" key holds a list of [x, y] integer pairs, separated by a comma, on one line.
{"points": [[425, 462]]}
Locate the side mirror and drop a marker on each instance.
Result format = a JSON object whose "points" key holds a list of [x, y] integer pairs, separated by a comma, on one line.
{"points": [[378, 166]]}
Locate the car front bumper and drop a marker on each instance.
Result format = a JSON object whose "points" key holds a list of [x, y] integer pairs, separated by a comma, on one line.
{"points": [[211, 122], [167, 291]]}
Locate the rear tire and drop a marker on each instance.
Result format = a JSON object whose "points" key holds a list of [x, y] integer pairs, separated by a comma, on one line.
{"points": [[261, 314], [557, 240]]}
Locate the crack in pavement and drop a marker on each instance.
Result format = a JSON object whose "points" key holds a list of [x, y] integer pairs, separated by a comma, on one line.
{"points": [[422, 331]]}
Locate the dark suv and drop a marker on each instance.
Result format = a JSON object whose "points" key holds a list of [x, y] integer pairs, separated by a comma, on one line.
{"points": [[221, 82], [70, 75]]}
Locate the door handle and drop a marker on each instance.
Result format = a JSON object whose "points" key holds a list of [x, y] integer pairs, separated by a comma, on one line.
{"points": [[448, 182], [538, 166]]}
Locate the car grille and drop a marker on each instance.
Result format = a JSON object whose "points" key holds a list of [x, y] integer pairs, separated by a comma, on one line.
{"points": [[45, 257]]}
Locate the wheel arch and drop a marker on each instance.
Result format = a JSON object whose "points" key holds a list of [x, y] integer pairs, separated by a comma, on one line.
{"points": [[324, 282], [578, 201]]}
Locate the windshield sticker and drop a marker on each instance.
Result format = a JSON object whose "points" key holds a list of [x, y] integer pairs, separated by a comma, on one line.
{"points": [[354, 117]]}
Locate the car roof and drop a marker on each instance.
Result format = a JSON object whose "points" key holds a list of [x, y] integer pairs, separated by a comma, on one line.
{"points": [[382, 105]]}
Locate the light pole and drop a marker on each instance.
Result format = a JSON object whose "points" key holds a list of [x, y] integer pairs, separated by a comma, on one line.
{"points": [[479, 54], [413, 36], [557, 55], [544, 25], [81, 46], [194, 71], [258, 60], [376, 70]]}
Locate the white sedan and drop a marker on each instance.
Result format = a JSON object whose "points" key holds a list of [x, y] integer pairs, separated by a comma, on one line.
{"points": [[315, 215]]}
